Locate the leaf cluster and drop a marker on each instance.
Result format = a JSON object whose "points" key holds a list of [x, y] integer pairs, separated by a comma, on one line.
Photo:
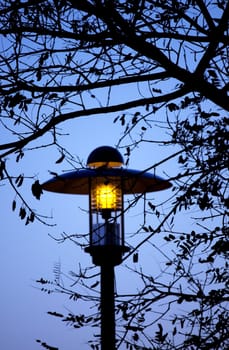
{"points": [[57, 56]]}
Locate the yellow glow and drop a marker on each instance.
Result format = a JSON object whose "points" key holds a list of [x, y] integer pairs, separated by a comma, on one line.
{"points": [[109, 164], [107, 196]]}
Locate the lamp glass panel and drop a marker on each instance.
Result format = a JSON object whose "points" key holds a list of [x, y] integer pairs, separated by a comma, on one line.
{"points": [[106, 194], [106, 218]]}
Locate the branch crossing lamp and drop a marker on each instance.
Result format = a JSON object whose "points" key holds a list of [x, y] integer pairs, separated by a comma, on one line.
{"points": [[106, 182]]}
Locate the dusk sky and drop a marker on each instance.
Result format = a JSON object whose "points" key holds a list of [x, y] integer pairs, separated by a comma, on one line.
{"points": [[28, 253]]}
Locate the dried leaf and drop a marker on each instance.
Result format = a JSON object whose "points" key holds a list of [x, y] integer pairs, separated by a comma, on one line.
{"points": [[36, 189], [14, 205], [59, 160]]}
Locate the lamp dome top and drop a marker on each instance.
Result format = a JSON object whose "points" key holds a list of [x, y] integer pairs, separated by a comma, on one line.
{"points": [[105, 156]]}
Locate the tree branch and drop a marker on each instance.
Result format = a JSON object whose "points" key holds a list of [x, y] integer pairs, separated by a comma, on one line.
{"points": [[13, 146], [90, 86]]}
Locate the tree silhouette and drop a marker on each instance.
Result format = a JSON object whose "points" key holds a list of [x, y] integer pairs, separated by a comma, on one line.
{"points": [[56, 58]]}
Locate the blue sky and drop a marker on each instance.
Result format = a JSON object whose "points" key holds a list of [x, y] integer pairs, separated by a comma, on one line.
{"points": [[28, 253]]}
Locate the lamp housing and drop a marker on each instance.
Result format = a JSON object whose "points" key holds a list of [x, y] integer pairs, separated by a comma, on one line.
{"points": [[106, 182], [106, 207]]}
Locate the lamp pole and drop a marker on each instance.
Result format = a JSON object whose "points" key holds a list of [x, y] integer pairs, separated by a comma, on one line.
{"points": [[107, 307], [106, 181]]}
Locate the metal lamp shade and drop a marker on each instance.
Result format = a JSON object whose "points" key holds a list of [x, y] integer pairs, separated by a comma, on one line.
{"points": [[133, 181]]}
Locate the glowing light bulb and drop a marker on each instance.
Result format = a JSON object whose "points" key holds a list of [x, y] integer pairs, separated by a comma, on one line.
{"points": [[106, 196]]}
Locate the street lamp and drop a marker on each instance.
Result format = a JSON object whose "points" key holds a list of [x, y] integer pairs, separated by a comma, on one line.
{"points": [[106, 182]]}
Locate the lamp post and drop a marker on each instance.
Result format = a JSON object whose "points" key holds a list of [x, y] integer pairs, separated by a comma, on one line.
{"points": [[106, 182]]}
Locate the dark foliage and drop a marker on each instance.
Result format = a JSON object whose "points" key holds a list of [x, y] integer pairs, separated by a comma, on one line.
{"points": [[56, 57]]}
